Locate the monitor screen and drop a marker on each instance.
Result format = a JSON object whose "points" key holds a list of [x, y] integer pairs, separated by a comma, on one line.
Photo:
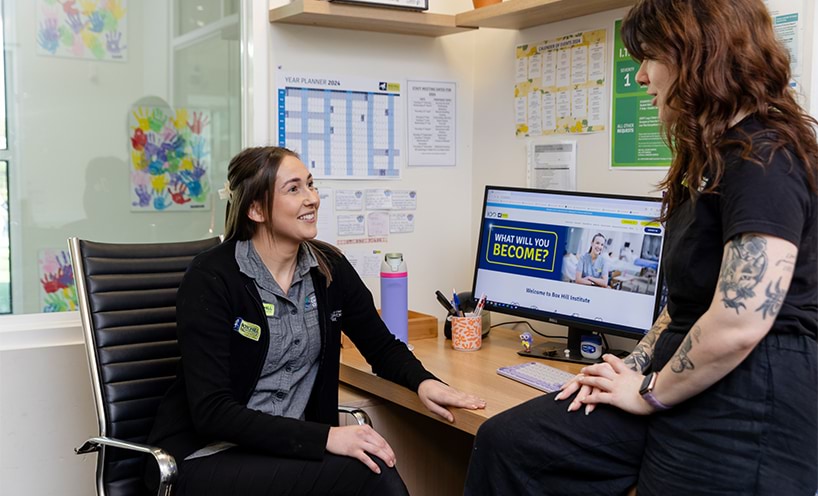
{"points": [[587, 261]]}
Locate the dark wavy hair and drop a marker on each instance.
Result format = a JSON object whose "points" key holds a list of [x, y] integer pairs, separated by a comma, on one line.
{"points": [[727, 60], [251, 176]]}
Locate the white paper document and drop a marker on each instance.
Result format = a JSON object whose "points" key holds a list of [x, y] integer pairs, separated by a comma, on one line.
{"points": [[552, 165], [349, 199], [432, 122]]}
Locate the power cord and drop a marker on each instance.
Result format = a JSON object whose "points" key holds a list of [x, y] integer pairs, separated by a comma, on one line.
{"points": [[515, 322]]}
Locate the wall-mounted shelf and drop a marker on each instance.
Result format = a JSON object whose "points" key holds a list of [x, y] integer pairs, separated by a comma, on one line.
{"points": [[521, 14], [355, 17]]}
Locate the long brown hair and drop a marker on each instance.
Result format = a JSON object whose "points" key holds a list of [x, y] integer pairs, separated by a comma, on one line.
{"points": [[251, 176], [727, 61]]}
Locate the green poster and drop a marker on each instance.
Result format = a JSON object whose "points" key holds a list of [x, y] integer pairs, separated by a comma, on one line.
{"points": [[636, 140]]}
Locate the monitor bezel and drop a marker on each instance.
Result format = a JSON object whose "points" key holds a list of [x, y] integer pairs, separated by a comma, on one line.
{"points": [[573, 323]]}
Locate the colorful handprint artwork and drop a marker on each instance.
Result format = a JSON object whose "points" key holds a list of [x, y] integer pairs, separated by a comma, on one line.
{"points": [[88, 29], [59, 293], [169, 159]]}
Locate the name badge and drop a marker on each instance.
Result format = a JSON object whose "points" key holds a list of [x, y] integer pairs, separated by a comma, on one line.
{"points": [[269, 309], [247, 329]]}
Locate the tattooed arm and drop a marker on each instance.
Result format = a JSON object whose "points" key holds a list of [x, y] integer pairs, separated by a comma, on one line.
{"points": [[641, 356], [755, 274]]}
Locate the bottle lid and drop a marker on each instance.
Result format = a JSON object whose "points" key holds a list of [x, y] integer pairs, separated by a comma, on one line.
{"points": [[393, 260]]}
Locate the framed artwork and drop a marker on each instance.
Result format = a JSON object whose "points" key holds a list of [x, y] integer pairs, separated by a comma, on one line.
{"points": [[58, 292], [90, 29], [170, 159]]}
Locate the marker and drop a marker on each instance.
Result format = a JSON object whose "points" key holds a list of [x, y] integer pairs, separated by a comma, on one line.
{"points": [[445, 303]]}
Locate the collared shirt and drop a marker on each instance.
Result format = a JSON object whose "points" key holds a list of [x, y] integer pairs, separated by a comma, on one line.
{"points": [[289, 371]]}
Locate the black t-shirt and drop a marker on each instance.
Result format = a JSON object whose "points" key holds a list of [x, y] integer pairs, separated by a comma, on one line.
{"points": [[773, 200]]}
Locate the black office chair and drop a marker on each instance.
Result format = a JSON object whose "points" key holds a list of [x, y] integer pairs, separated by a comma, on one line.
{"points": [[127, 300]]}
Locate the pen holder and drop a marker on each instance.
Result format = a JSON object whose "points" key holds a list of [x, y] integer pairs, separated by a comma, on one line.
{"points": [[466, 333], [467, 305]]}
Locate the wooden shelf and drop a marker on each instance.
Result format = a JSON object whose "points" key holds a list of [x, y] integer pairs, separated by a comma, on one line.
{"points": [[521, 14], [355, 17]]}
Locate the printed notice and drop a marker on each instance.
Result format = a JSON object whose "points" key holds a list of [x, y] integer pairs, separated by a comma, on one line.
{"points": [[564, 90], [432, 113], [342, 127], [349, 199], [351, 225], [378, 199], [636, 137], [553, 165], [400, 222], [404, 200]]}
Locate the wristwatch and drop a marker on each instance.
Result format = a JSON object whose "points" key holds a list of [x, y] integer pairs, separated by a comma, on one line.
{"points": [[646, 391]]}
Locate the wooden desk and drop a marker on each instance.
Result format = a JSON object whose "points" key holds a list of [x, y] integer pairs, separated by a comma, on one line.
{"points": [[433, 454], [473, 372]]}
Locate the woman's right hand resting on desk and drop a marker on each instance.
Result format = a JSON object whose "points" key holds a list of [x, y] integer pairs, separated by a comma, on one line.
{"points": [[360, 441]]}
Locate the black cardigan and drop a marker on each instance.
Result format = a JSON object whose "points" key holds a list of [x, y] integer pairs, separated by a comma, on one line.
{"points": [[219, 368]]}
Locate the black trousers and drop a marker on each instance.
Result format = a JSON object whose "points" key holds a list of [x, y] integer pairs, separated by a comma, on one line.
{"points": [[242, 473], [753, 432]]}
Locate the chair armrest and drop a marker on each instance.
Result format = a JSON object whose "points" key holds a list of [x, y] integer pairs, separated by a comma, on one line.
{"points": [[360, 416], [167, 464]]}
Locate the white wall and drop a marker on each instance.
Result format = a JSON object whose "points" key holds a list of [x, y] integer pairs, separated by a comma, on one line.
{"points": [[437, 253], [46, 408]]}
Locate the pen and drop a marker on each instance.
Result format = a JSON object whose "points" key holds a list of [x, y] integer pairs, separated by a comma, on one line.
{"points": [[445, 303], [456, 303], [480, 305]]}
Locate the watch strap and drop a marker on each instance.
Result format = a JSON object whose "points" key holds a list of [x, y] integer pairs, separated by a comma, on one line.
{"points": [[655, 403]]}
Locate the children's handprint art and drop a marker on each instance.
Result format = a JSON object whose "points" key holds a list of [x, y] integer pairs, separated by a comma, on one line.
{"points": [[169, 159], [94, 29], [58, 291]]}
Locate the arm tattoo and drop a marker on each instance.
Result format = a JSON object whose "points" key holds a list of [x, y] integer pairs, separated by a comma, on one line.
{"points": [[640, 358], [681, 361], [788, 262], [745, 263], [775, 298]]}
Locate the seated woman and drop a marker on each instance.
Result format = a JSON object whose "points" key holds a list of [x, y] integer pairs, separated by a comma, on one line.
{"points": [[592, 269], [253, 410]]}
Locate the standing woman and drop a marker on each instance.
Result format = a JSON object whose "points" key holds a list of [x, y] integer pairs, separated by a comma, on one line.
{"points": [[719, 397], [253, 410], [591, 269]]}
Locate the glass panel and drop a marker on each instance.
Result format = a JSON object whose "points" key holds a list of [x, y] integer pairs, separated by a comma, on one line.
{"points": [[205, 84], [194, 14], [3, 130], [96, 130], [5, 254], [231, 7]]}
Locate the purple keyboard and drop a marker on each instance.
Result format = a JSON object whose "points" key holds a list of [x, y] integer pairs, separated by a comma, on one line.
{"points": [[537, 375]]}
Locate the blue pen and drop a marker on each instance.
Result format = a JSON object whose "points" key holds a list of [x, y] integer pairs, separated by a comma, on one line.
{"points": [[456, 303]]}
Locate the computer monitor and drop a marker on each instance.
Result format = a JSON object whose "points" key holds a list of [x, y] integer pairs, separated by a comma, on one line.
{"points": [[583, 260]]}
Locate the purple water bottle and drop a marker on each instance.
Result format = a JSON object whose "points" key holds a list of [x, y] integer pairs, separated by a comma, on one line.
{"points": [[395, 295]]}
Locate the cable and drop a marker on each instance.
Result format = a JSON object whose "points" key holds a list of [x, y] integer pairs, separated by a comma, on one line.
{"points": [[515, 322]]}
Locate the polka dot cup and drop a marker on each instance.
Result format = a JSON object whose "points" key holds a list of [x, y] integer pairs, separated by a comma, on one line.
{"points": [[466, 333]]}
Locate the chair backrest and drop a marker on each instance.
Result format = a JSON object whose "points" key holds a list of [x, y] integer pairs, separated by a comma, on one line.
{"points": [[127, 300]]}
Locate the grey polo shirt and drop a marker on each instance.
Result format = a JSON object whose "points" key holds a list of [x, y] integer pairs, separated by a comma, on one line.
{"points": [[291, 366]]}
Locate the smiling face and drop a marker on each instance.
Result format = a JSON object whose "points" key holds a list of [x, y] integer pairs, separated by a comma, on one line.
{"points": [[296, 201], [597, 245], [295, 204], [658, 78]]}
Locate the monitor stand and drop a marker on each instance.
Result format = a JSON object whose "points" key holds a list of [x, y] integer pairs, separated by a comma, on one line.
{"points": [[552, 350]]}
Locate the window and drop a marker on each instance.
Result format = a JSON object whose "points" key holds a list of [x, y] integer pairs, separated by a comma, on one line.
{"points": [[90, 84]]}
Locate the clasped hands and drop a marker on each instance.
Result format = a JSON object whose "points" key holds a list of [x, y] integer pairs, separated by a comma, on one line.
{"points": [[610, 382], [361, 441]]}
